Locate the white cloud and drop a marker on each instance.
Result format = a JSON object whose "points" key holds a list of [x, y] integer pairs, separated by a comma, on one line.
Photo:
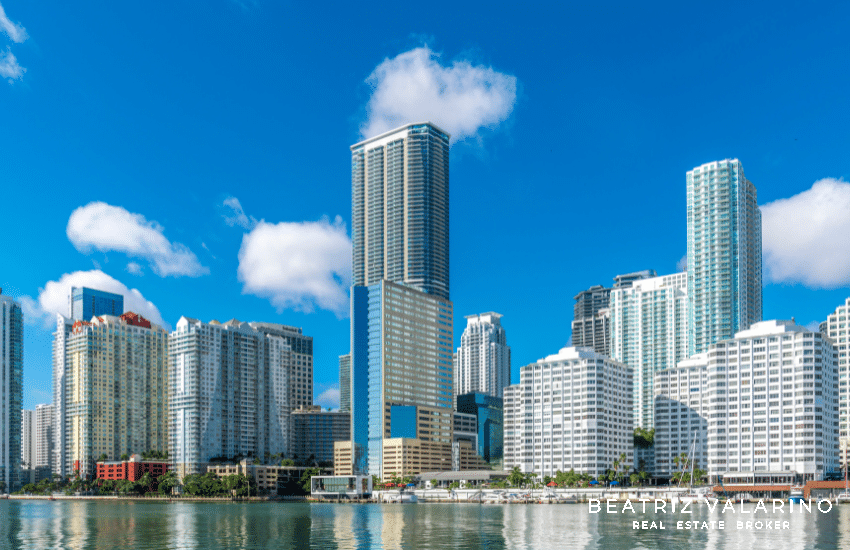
{"points": [[682, 264], [805, 237], [103, 227], [235, 215], [460, 98], [302, 266], [53, 298], [134, 268], [9, 67], [329, 398], [14, 30], [814, 326]]}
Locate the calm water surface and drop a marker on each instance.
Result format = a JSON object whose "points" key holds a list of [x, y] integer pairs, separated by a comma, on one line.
{"points": [[211, 526]]}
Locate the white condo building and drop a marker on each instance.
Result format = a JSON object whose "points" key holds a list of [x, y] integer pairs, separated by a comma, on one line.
{"points": [[773, 393], [572, 410], [681, 415], [649, 333], [724, 253], [837, 328], [229, 391], [482, 363]]}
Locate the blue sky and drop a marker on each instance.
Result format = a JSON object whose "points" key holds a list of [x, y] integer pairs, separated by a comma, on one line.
{"points": [[197, 152]]}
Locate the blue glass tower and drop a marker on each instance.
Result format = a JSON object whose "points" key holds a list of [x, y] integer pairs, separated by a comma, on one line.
{"points": [[89, 302], [489, 412]]}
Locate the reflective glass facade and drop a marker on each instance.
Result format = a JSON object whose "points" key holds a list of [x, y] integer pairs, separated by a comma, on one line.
{"points": [[11, 391], [724, 253], [88, 302], [488, 411]]}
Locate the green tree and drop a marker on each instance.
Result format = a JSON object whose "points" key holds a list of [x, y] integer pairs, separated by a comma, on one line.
{"points": [[102, 458], [287, 462], [167, 482], [305, 478], [125, 456], [516, 478]]}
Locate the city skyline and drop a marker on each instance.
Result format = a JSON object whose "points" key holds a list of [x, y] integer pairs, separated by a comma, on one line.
{"points": [[181, 194]]}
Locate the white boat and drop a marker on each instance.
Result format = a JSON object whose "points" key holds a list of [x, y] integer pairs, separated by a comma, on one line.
{"points": [[400, 498], [796, 494]]}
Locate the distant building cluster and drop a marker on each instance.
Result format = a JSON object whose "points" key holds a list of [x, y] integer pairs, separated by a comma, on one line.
{"points": [[684, 358]]}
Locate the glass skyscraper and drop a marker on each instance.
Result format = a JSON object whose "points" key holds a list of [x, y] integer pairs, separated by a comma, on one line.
{"points": [[11, 391], [400, 209], [724, 254], [86, 303], [401, 316]]}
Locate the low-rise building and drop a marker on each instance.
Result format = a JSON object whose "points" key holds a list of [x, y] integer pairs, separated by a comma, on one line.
{"points": [[132, 469], [270, 478]]}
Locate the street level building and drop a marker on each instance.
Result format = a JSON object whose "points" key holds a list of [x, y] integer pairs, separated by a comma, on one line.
{"points": [[571, 410], [724, 253]]}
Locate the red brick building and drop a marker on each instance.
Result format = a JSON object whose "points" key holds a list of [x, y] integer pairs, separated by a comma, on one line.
{"points": [[132, 469]]}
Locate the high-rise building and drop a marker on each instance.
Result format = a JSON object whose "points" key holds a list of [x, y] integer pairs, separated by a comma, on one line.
{"points": [[345, 382], [27, 439], [591, 326], [763, 402], [401, 319], [11, 391], [482, 363], [488, 412], [230, 390], [85, 303], [649, 333], [43, 438], [115, 390], [572, 410], [315, 431], [301, 357], [400, 209], [837, 329], [724, 254], [401, 375]]}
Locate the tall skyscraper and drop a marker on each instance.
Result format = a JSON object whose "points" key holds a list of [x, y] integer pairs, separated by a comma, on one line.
{"points": [[400, 209], [837, 329], [115, 390], [649, 333], [591, 327], [483, 360], [301, 361], [401, 319], [11, 391], [345, 382], [724, 253], [85, 303], [230, 390]]}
